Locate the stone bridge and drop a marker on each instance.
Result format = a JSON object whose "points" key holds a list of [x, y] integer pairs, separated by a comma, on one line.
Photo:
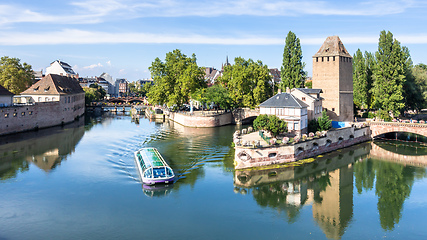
{"points": [[378, 128], [243, 115], [126, 100], [378, 152]]}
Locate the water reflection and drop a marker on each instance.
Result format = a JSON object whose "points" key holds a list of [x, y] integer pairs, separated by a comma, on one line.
{"points": [[45, 148], [327, 184]]}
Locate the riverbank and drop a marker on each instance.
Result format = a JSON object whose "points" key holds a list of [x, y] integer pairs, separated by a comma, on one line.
{"points": [[251, 150]]}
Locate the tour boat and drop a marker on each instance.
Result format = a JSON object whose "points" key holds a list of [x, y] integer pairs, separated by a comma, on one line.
{"points": [[152, 167]]}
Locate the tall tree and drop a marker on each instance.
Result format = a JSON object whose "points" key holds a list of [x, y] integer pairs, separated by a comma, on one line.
{"points": [[413, 93], [247, 82], [292, 70], [360, 81], [175, 79], [419, 73], [389, 76], [14, 76]]}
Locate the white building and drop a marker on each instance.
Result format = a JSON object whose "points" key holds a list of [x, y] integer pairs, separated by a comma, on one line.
{"points": [[6, 97], [61, 68]]}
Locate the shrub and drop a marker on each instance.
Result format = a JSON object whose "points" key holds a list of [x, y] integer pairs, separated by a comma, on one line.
{"points": [[285, 140]]}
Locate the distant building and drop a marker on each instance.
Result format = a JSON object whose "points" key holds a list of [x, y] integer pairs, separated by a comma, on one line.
{"points": [[333, 73], [61, 68], [122, 87], [110, 82], [6, 97], [54, 100], [56, 88], [38, 75], [211, 75], [275, 76], [141, 82]]}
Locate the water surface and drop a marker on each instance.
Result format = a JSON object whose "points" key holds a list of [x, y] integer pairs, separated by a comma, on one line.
{"points": [[80, 182]]}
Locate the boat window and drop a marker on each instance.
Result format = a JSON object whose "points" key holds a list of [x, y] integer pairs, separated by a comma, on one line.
{"points": [[148, 173], [169, 172], [159, 172]]}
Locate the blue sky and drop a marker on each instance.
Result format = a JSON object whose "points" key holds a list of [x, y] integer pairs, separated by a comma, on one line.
{"points": [[123, 37]]}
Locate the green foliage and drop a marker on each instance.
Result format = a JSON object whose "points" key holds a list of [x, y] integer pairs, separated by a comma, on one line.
{"points": [[390, 75], [175, 79], [313, 126], [270, 123], [14, 76], [308, 84], [361, 81], [419, 74], [292, 70], [324, 122], [94, 93], [247, 82], [219, 95]]}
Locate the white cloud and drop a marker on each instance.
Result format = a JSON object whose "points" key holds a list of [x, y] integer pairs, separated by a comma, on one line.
{"points": [[74, 36], [93, 66], [109, 63], [96, 11]]}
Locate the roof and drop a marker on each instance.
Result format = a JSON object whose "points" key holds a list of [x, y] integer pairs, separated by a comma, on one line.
{"points": [[283, 100], [54, 84], [4, 91], [332, 47], [310, 90]]}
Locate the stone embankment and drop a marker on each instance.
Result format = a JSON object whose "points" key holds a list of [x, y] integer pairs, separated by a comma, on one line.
{"points": [[253, 151]]}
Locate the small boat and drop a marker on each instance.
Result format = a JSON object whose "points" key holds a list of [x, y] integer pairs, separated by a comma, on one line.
{"points": [[152, 167]]}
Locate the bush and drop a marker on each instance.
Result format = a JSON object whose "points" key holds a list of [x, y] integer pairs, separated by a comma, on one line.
{"points": [[270, 123]]}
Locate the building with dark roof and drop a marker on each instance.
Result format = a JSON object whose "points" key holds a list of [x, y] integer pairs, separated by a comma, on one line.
{"points": [[312, 98], [288, 108], [54, 100], [6, 97], [61, 68]]}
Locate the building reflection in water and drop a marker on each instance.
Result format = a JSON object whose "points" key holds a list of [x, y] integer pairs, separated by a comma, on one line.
{"points": [[45, 148], [327, 184]]}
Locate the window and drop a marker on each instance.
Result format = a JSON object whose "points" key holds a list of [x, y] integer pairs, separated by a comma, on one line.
{"points": [[317, 59], [303, 98], [15, 114], [22, 113], [333, 109], [30, 113], [6, 115], [296, 126], [40, 99], [322, 59], [46, 99], [327, 59], [333, 58]]}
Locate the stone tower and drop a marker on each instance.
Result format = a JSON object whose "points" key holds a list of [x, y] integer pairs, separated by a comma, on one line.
{"points": [[333, 73]]}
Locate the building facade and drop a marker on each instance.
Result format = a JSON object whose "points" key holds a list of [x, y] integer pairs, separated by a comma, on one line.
{"points": [[61, 68], [333, 73]]}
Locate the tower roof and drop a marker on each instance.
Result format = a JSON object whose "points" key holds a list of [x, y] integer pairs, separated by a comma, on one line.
{"points": [[332, 47]]}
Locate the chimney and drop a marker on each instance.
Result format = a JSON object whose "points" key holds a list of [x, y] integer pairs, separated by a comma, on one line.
{"points": [[279, 91], [288, 90]]}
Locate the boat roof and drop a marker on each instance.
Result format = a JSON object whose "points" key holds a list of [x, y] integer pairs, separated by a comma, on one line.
{"points": [[152, 157]]}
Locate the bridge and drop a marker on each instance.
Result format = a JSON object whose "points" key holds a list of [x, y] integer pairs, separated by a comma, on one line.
{"points": [[126, 100], [243, 115], [378, 128], [378, 152]]}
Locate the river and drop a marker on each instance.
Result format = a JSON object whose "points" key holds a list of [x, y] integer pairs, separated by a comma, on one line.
{"points": [[80, 182]]}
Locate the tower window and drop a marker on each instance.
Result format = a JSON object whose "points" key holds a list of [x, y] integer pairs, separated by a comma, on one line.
{"points": [[327, 59], [333, 109], [317, 59], [333, 58], [322, 59]]}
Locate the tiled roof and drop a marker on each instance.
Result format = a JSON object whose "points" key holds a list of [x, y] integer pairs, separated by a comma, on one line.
{"points": [[54, 84], [4, 91], [332, 47], [282, 100], [310, 90]]}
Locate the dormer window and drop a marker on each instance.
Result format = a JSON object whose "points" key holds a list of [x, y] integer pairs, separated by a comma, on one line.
{"points": [[303, 98], [36, 88], [47, 89]]}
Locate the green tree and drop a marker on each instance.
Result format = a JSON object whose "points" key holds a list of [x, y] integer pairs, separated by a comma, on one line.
{"points": [[390, 76], [14, 76], [219, 95], [324, 122], [361, 86], [292, 70], [175, 79], [94, 93], [413, 93], [247, 82], [270, 123], [419, 74]]}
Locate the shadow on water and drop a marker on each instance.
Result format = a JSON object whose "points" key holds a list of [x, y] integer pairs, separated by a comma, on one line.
{"points": [[45, 148]]}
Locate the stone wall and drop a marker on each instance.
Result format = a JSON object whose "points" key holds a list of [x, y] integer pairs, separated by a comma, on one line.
{"points": [[201, 121], [247, 157], [39, 115]]}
